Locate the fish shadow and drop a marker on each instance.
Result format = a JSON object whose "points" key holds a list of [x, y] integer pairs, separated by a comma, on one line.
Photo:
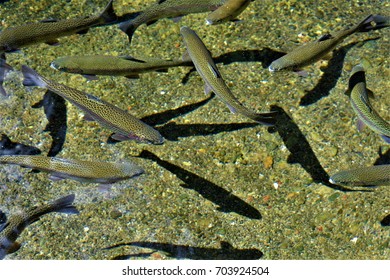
{"points": [[330, 76], [384, 158], [300, 150], [226, 201], [55, 110], [226, 252], [265, 56], [8, 147]]}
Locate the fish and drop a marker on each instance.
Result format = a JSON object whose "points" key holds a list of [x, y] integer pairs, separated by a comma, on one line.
{"points": [[79, 170], [47, 31], [313, 51], [376, 175], [124, 125], [361, 104], [228, 11], [210, 74], [14, 226], [4, 68], [168, 9], [127, 66]]}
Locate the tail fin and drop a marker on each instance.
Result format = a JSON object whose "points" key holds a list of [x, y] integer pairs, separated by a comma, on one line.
{"points": [[373, 22], [109, 14], [64, 205], [31, 77]]}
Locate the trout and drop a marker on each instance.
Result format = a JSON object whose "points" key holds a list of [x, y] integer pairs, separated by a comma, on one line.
{"points": [[47, 31], [210, 74], [228, 11], [124, 125], [79, 170], [362, 107], [377, 175], [14, 226]]}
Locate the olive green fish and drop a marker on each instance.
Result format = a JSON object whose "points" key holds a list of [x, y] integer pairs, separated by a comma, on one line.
{"points": [[377, 175], [14, 226], [228, 11], [47, 31], [91, 65], [79, 170], [313, 51], [362, 106], [210, 74], [124, 125], [168, 9]]}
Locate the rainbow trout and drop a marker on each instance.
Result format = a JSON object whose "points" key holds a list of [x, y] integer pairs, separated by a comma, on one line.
{"points": [[377, 175], [228, 11], [362, 107], [127, 66], [14, 226], [124, 125], [79, 170], [168, 9], [210, 74], [313, 51], [47, 31]]}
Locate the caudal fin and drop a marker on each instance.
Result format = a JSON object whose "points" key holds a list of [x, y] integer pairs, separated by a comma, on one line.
{"points": [[65, 205], [31, 77], [373, 22], [129, 28]]}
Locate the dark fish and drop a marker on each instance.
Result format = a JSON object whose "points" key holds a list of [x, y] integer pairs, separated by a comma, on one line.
{"points": [[80, 170], [228, 11], [11, 230], [168, 9], [8, 147], [14, 38], [130, 67], [210, 74], [362, 106], [55, 111], [377, 175], [124, 125], [313, 51]]}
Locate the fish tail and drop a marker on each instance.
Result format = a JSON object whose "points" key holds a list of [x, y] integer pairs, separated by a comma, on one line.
{"points": [[109, 14], [365, 25], [64, 205], [267, 119], [31, 77]]}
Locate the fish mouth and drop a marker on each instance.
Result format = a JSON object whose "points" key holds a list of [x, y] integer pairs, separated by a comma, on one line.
{"points": [[271, 69], [54, 66]]}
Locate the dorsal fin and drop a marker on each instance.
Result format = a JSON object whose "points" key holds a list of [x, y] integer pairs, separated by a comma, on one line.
{"points": [[325, 37]]}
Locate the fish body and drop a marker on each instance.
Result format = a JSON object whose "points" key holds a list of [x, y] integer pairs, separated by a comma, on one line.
{"points": [[313, 51], [124, 125], [14, 226], [361, 104], [113, 65], [14, 38], [168, 9], [79, 170], [210, 74], [377, 175], [228, 11]]}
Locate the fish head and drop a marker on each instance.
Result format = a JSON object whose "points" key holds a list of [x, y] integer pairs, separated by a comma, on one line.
{"points": [[276, 65], [65, 64]]}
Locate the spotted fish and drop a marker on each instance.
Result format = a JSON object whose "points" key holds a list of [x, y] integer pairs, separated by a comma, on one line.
{"points": [[207, 69], [168, 9], [47, 31], [228, 11], [377, 175], [79, 170], [124, 125], [130, 67], [313, 51], [362, 106], [14, 226]]}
